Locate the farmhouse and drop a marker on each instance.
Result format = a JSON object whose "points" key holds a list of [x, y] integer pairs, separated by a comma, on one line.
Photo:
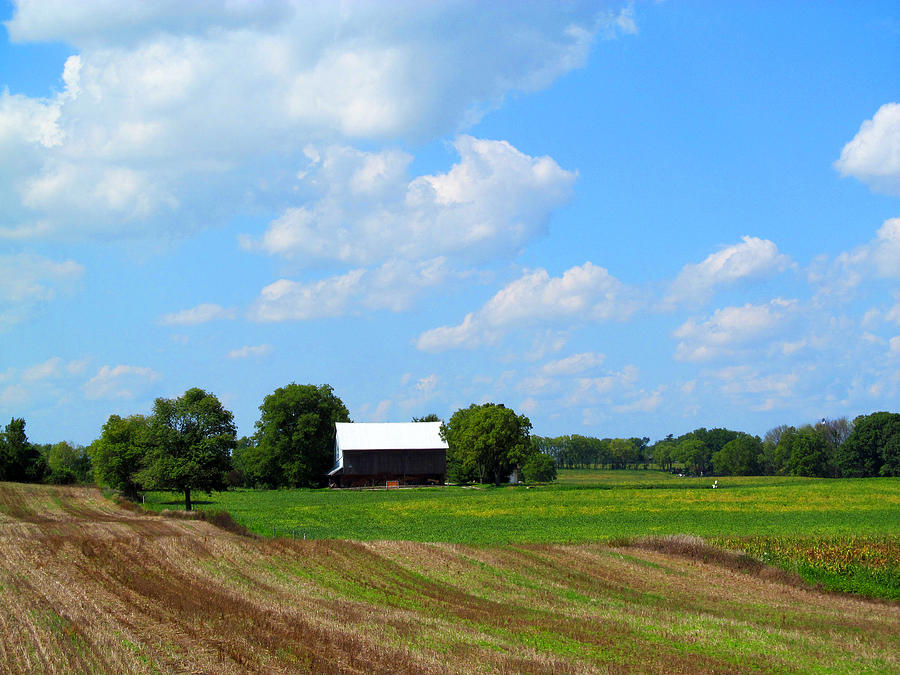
{"points": [[376, 453]]}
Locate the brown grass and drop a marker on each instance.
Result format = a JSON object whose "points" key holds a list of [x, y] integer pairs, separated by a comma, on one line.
{"points": [[88, 586]]}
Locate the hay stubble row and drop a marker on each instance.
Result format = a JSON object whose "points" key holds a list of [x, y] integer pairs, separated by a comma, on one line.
{"points": [[88, 587]]}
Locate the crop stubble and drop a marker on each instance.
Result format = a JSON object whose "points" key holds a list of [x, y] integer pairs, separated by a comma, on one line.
{"points": [[88, 587]]}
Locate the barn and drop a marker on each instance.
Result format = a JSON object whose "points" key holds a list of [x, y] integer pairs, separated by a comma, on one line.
{"points": [[388, 453]]}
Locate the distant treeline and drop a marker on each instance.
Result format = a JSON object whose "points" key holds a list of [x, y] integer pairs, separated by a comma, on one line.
{"points": [[867, 446], [25, 462]]}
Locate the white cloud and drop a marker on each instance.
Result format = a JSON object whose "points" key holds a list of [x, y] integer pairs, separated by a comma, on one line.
{"points": [[754, 258], [893, 314], [131, 139], [750, 381], [249, 350], [573, 365], [392, 286], [643, 402], [878, 258], [606, 384], [729, 328], [28, 280], [50, 368], [119, 382], [584, 293], [895, 345], [381, 410], [495, 200], [873, 156], [427, 384], [199, 314]]}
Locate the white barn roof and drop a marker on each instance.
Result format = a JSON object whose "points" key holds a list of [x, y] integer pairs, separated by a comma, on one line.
{"points": [[389, 436]]}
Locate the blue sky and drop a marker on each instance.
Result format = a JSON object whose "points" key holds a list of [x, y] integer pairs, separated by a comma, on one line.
{"points": [[621, 219]]}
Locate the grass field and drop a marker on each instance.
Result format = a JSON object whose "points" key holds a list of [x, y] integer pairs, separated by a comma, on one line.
{"points": [[86, 586], [614, 504]]}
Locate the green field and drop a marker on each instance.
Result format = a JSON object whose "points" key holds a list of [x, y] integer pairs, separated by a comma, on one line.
{"points": [[583, 506]]}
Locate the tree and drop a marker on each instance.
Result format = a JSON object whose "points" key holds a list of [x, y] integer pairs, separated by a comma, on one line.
{"points": [[871, 448], [809, 454], [486, 442], [119, 454], [738, 457], [192, 439], [294, 439], [694, 454], [430, 417], [68, 463], [621, 451], [664, 453], [19, 460], [539, 468]]}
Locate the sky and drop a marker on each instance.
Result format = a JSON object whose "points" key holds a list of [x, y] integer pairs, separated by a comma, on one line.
{"points": [[620, 219]]}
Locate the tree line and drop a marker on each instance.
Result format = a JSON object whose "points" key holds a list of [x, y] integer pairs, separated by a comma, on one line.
{"points": [[190, 443], [868, 446]]}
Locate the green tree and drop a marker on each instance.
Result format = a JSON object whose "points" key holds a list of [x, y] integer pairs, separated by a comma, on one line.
{"points": [[20, 460], [809, 454], [294, 439], [738, 457], [539, 468], [767, 461], [664, 453], [430, 417], [621, 451], [783, 449], [119, 454], [871, 448], [238, 476], [192, 439], [694, 455], [486, 442], [68, 463]]}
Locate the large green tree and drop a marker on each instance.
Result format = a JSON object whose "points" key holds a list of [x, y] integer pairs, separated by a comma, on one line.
{"points": [[873, 447], [192, 438], [20, 460], [294, 439], [738, 457], [809, 453], [68, 463], [119, 454], [486, 442]]}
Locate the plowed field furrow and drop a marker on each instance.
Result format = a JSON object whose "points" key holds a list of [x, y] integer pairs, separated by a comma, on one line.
{"points": [[88, 587]]}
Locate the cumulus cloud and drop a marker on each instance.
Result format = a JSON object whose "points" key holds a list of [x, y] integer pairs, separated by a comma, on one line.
{"points": [[392, 286], [48, 369], [879, 258], [753, 258], [573, 365], [642, 402], [585, 293], [894, 344], [494, 200], [27, 280], [729, 328], [427, 384], [606, 384], [199, 314], [120, 381], [873, 155], [130, 140], [249, 350]]}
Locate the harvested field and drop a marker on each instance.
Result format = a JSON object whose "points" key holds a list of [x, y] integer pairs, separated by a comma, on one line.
{"points": [[88, 587]]}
